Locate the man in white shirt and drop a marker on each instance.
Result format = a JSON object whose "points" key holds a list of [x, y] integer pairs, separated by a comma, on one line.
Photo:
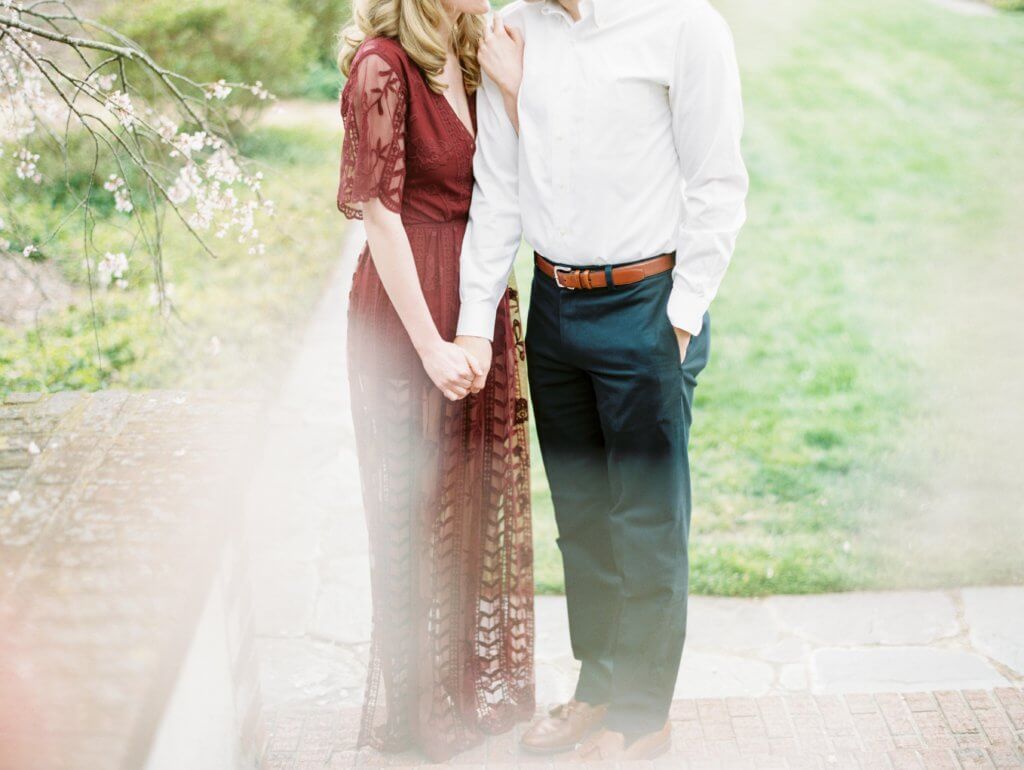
{"points": [[626, 177]]}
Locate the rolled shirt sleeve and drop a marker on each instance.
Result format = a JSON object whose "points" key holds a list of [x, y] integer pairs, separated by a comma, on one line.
{"points": [[495, 229], [707, 122]]}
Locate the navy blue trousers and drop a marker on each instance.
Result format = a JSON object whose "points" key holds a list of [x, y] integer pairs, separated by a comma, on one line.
{"points": [[613, 411]]}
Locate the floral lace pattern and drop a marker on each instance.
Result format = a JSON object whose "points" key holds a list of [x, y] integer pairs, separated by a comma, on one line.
{"points": [[373, 152]]}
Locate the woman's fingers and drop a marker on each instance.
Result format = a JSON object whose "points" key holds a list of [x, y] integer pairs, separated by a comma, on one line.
{"points": [[455, 392], [499, 25], [474, 365], [479, 375], [460, 380], [515, 34]]}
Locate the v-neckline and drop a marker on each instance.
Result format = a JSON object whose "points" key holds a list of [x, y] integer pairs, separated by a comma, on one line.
{"points": [[469, 130]]}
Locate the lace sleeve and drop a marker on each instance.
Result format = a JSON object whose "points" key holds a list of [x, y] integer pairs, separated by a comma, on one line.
{"points": [[373, 153]]}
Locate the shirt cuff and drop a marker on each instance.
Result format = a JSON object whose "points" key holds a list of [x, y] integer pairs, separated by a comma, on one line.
{"points": [[686, 309], [478, 319]]}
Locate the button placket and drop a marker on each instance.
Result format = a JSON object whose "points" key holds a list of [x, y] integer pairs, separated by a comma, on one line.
{"points": [[562, 114], [568, 131]]}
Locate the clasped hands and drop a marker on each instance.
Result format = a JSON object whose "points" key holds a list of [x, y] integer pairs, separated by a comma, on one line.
{"points": [[461, 367], [458, 368]]}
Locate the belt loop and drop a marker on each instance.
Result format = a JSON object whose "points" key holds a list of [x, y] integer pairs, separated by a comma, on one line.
{"points": [[609, 280]]}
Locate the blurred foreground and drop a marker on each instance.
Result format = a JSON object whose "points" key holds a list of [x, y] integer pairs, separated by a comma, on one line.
{"points": [[188, 588]]}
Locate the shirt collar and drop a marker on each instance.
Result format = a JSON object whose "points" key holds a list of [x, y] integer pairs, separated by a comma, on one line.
{"points": [[602, 11]]}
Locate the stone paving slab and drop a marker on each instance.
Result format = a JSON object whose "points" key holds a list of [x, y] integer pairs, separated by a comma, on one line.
{"points": [[826, 643], [995, 617], [943, 729]]}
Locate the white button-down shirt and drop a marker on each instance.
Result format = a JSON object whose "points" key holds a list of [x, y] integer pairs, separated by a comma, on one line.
{"points": [[629, 147]]}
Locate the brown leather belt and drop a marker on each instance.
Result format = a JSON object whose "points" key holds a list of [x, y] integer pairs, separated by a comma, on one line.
{"points": [[598, 278]]}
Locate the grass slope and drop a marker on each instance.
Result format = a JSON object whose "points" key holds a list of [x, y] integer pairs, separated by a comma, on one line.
{"points": [[877, 135]]}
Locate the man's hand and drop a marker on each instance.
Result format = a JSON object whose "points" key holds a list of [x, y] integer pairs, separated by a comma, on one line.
{"points": [[451, 368], [683, 338], [479, 348]]}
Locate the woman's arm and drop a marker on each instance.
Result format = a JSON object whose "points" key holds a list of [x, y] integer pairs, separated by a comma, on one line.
{"points": [[501, 56], [450, 367], [372, 182]]}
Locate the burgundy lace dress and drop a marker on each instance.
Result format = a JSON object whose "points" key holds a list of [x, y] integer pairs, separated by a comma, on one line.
{"points": [[445, 485]]}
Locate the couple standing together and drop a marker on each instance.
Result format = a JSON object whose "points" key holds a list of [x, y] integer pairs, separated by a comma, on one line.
{"points": [[607, 134]]}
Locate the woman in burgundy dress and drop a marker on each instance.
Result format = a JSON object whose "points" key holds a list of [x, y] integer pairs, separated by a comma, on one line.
{"points": [[445, 471]]}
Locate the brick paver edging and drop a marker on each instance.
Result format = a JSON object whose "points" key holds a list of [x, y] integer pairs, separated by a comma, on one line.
{"points": [[947, 729]]}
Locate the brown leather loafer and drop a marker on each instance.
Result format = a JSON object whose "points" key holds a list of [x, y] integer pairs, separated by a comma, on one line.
{"points": [[609, 746], [563, 728]]}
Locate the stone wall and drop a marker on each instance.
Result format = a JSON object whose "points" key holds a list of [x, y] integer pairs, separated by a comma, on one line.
{"points": [[117, 512]]}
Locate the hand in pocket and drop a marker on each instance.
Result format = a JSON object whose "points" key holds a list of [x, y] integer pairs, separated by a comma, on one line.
{"points": [[683, 338]]}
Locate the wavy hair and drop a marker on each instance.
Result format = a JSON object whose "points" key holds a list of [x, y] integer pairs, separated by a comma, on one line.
{"points": [[416, 25]]}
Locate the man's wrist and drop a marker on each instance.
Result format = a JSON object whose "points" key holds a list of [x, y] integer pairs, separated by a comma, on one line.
{"points": [[479, 347], [686, 310], [477, 320], [471, 339]]}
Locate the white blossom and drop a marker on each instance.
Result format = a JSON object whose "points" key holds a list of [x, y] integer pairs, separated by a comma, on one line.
{"points": [[122, 196], [27, 168], [111, 267], [186, 185], [222, 167], [154, 293], [120, 104], [165, 128], [197, 169], [188, 144], [257, 90], [219, 90]]}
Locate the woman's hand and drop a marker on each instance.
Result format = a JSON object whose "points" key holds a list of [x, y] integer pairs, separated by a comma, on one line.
{"points": [[451, 368], [501, 56]]}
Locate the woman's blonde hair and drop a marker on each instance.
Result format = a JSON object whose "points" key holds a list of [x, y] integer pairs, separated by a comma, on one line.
{"points": [[416, 25]]}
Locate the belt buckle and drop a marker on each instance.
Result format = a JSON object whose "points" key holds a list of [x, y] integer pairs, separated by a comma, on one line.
{"points": [[560, 268]]}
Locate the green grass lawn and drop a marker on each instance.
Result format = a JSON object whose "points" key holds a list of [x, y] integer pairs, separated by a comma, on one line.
{"points": [[250, 304], [882, 140]]}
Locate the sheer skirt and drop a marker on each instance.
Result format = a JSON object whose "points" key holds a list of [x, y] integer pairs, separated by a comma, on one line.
{"points": [[446, 491]]}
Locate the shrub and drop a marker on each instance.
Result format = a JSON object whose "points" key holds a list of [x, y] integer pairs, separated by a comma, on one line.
{"points": [[328, 18], [207, 40], [323, 81]]}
